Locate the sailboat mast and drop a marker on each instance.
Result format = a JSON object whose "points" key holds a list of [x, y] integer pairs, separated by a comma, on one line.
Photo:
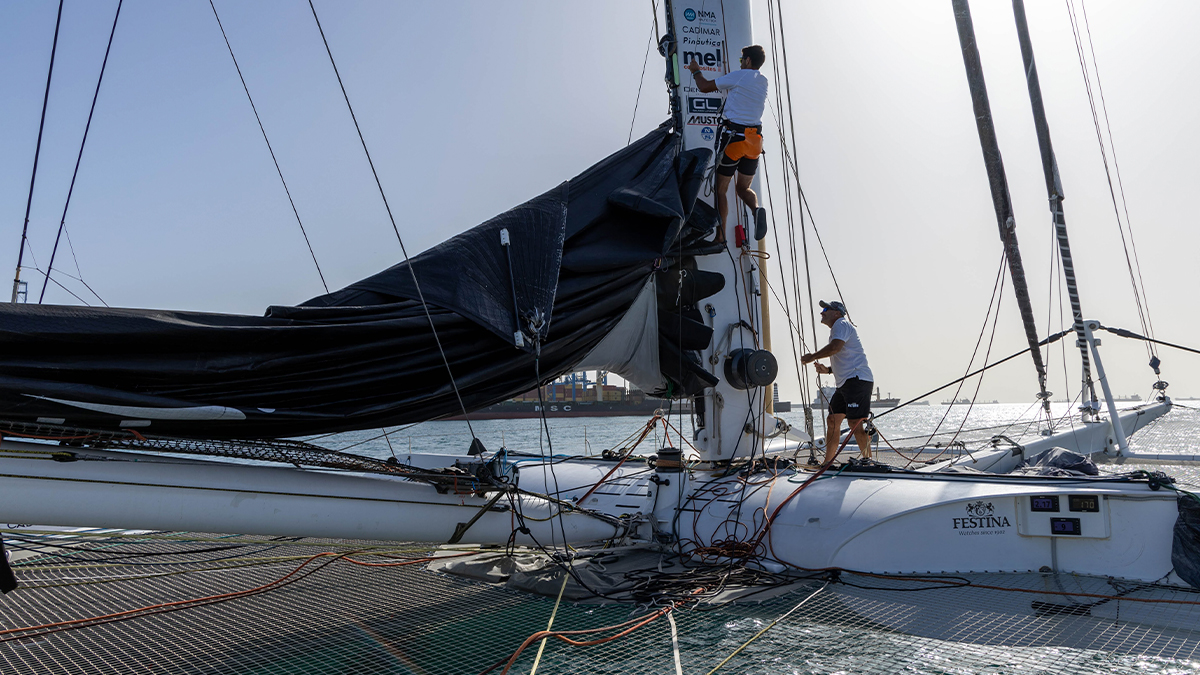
{"points": [[1055, 193], [708, 34], [999, 187]]}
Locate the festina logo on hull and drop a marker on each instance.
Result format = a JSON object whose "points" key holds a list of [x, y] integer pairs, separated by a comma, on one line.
{"points": [[981, 515], [991, 522]]}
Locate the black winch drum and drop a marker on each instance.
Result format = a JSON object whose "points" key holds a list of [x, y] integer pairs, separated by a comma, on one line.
{"points": [[670, 460]]}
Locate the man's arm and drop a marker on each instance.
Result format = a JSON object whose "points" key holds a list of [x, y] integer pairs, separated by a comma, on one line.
{"points": [[830, 349], [704, 84]]}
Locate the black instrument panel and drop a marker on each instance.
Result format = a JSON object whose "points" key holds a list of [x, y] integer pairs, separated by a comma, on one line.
{"points": [[1084, 503], [1066, 526], [1044, 504]]}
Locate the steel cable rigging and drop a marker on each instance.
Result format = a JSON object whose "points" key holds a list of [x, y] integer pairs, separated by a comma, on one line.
{"points": [[268, 142], [36, 155], [1131, 259], [395, 228], [78, 159]]}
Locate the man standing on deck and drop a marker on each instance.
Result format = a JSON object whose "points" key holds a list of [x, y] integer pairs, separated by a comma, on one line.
{"points": [[741, 126], [852, 400]]}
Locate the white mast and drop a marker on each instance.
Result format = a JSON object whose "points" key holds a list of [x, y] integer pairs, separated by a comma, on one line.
{"points": [[713, 34]]}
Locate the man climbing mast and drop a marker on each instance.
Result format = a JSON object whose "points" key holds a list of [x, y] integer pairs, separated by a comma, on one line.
{"points": [[851, 374], [741, 133]]}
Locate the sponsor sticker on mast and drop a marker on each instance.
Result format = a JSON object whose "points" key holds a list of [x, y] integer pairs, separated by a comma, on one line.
{"points": [[700, 31]]}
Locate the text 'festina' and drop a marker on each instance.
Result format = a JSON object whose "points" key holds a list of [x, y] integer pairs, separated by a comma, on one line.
{"points": [[986, 522]]}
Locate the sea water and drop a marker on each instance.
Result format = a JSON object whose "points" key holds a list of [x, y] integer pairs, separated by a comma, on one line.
{"points": [[908, 426]]}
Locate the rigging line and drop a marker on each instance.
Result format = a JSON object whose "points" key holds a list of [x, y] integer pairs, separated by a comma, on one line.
{"points": [[36, 154], [1054, 270], [79, 279], [799, 187], [1063, 346], [807, 208], [1052, 338], [537, 372], [57, 282], [1130, 334], [1104, 157], [1116, 165], [767, 627], [777, 73], [783, 284], [268, 142], [790, 157], [76, 258], [997, 288], [642, 80], [392, 218], [79, 158], [987, 353]]}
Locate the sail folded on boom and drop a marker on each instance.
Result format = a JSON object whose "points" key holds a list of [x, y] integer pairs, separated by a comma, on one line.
{"points": [[580, 256]]}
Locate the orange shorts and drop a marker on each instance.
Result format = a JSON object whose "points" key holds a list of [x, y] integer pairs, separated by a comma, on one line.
{"points": [[741, 153]]}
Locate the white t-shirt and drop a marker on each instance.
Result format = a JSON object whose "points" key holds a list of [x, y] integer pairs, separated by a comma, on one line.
{"points": [[746, 96], [852, 360]]}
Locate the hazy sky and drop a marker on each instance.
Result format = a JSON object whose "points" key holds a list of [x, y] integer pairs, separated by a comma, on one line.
{"points": [[470, 108]]}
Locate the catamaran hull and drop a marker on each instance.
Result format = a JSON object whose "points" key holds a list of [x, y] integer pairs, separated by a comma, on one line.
{"points": [[887, 523], [126, 490]]}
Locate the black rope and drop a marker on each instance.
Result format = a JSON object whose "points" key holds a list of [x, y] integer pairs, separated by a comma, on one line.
{"points": [[1116, 166], [1130, 334], [71, 248], [392, 218], [36, 154], [269, 148], [793, 329], [779, 70], [79, 158], [1138, 294], [642, 80], [537, 373], [1052, 338]]}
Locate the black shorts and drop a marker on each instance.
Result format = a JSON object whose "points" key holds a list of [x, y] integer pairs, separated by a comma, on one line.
{"points": [[852, 399]]}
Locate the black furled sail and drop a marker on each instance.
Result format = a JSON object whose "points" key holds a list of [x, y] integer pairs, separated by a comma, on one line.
{"points": [[578, 258]]}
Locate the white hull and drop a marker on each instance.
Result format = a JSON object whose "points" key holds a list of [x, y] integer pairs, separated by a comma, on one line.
{"points": [[916, 522], [130, 490]]}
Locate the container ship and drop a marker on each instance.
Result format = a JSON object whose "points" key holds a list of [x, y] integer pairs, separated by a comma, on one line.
{"points": [[575, 395]]}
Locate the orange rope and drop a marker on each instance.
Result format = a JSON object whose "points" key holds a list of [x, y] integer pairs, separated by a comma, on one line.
{"points": [[561, 635], [645, 432]]}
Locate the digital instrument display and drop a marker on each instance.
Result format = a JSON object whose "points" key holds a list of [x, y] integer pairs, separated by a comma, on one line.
{"points": [[1065, 526], [1044, 503], [1084, 503]]}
